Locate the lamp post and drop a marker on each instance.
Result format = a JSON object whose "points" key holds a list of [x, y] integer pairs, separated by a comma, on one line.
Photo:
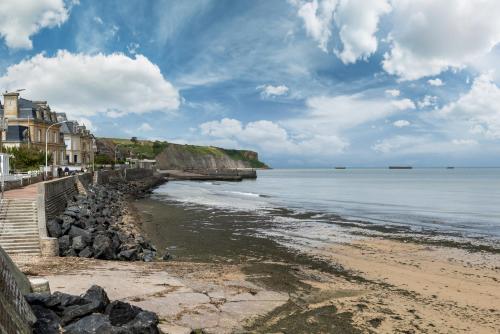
{"points": [[116, 147], [47, 145]]}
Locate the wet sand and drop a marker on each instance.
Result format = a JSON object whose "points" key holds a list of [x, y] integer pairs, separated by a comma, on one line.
{"points": [[369, 285]]}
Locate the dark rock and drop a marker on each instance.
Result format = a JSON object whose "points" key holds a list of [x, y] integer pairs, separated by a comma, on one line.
{"points": [[76, 232], [72, 211], [65, 227], [98, 296], [145, 322], [78, 243], [65, 300], [121, 313], [87, 252], [54, 228], [128, 255], [103, 248], [70, 253], [47, 321], [42, 299], [148, 255], [64, 243], [92, 324]]}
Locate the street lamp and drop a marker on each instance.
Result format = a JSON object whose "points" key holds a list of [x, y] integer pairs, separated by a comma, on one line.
{"points": [[116, 147], [47, 145]]}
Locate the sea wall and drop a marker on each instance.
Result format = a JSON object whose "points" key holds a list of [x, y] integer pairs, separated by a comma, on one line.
{"points": [[134, 174], [103, 176], [15, 313], [55, 194]]}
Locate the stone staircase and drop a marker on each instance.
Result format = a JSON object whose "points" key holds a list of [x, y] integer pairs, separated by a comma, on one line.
{"points": [[19, 226]]}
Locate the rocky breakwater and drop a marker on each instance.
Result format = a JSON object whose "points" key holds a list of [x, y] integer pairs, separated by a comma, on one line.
{"points": [[99, 225], [90, 313]]}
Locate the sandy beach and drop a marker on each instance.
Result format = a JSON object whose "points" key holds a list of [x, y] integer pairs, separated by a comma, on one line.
{"points": [[225, 279]]}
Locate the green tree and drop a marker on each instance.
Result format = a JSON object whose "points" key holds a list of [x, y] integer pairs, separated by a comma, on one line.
{"points": [[26, 158]]}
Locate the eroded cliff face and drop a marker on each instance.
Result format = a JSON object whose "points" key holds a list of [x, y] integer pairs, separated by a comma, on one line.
{"points": [[176, 156]]}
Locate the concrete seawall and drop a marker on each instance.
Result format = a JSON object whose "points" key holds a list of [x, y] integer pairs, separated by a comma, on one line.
{"points": [[15, 313]]}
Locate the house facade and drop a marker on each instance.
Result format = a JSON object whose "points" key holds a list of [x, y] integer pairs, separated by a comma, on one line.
{"points": [[30, 123], [78, 140]]}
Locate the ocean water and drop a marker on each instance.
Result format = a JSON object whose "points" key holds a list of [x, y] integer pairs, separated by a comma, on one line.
{"points": [[461, 201]]}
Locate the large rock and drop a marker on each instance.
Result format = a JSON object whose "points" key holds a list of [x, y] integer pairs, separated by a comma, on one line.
{"points": [[54, 227], [92, 324], [47, 321], [121, 313], [87, 252], [97, 295], [79, 232], [78, 243], [103, 248], [64, 244], [144, 323]]}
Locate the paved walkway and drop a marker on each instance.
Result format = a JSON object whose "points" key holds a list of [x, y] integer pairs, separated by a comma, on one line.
{"points": [[28, 192]]}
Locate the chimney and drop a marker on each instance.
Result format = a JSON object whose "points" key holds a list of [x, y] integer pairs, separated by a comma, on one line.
{"points": [[11, 105]]}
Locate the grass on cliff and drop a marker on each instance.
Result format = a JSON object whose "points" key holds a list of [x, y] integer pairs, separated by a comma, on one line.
{"points": [[147, 149]]}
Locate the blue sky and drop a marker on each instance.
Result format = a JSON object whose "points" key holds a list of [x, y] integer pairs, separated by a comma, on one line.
{"points": [[306, 83]]}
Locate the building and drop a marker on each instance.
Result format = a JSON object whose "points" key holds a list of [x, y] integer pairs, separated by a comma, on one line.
{"points": [[29, 123], [78, 140]]}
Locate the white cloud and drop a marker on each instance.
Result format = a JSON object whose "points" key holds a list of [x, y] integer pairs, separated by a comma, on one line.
{"points": [[270, 137], [393, 92], [19, 20], [317, 17], [477, 111], [404, 104], [145, 127], [88, 123], [268, 91], [427, 101], [426, 144], [435, 82], [401, 123], [432, 36], [84, 85], [357, 21]]}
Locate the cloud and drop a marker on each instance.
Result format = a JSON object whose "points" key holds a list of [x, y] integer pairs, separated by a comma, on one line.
{"points": [[19, 20], [317, 17], [269, 137], [393, 92], [85, 85], [432, 36], [404, 104], [427, 101], [357, 21], [401, 123], [145, 127], [425, 144], [435, 82], [88, 123], [477, 111], [268, 91]]}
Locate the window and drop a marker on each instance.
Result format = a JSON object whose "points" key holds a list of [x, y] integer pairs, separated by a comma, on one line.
{"points": [[75, 158], [39, 135]]}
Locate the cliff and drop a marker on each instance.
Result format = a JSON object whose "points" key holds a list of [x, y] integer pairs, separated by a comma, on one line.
{"points": [[176, 156]]}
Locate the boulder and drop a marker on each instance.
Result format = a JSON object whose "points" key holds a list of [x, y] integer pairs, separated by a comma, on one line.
{"points": [[145, 322], [128, 255], [98, 296], [148, 255], [78, 243], [47, 321], [92, 324], [54, 227], [87, 252], [79, 232], [64, 244], [120, 313], [103, 248]]}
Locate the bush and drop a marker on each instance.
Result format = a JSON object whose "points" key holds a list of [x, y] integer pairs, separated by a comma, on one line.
{"points": [[26, 158]]}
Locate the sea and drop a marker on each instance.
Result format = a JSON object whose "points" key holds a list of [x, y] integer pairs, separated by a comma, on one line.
{"points": [[459, 203]]}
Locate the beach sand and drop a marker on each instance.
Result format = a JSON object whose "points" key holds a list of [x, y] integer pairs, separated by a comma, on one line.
{"points": [[225, 277]]}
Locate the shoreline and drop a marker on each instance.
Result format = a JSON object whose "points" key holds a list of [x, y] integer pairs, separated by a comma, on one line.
{"points": [[226, 276]]}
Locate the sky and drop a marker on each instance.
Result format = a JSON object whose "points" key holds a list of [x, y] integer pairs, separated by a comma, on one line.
{"points": [[305, 83]]}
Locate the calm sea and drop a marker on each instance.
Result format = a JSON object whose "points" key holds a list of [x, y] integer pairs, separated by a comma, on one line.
{"points": [[463, 201]]}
